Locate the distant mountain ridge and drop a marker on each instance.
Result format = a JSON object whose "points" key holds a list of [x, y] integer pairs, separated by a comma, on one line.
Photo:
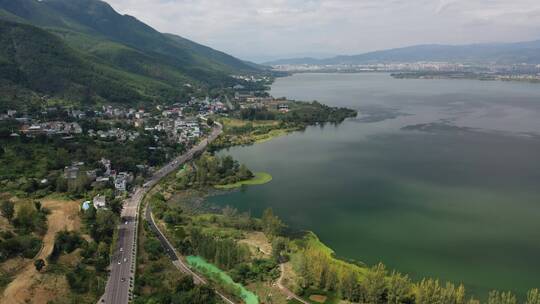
{"points": [[502, 53], [154, 65]]}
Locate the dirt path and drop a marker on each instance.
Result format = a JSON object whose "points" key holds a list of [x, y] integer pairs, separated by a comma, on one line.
{"points": [[285, 290], [26, 286]]}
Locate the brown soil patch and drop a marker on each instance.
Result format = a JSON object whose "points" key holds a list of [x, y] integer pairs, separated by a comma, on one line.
{"points": [[29, 286], [13, 265], [289, 276], [258, 243], [318, 298], [268, 293], [4, 224]]}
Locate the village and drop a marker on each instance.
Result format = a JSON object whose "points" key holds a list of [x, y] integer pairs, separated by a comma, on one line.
{"points": [[179, 124]]}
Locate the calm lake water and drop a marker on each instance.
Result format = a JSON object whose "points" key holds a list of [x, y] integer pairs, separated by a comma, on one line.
{"points": [[435, 178]]}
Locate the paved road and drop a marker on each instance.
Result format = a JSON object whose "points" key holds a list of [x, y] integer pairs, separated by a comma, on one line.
{"points": [[119, 286]]}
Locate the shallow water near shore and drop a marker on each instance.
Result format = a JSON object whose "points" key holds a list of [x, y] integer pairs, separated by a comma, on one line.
{"points": [[435, 178]]}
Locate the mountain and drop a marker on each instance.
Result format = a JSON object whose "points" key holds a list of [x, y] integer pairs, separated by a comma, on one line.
{"points": [[94, 39], [33, 60], [502, 53]]}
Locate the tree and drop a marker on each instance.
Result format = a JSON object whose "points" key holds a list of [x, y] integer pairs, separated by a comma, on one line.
{"points": [[103, 228], [533, 297], [153, 247], [399, 288], [102, 259], [185, 284], [61, 184], [116, 206], [203, 294], [374, 285], [39, 264], [429, 291], [244, 173], [497, 297], [8, 210], [30, 220], [279, 245], [349, 284], [272, 225], [332, 281]]}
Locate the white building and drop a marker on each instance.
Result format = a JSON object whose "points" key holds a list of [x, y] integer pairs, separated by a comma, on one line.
{"points": [[122, 180], [99, 202]]}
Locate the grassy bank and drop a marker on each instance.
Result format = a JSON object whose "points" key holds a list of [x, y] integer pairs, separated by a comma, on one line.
{"points": [[260, 178], [238, 132], [272, 134]]}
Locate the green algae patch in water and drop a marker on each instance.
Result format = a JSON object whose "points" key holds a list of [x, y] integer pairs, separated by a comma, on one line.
{"points": [[223, 278]]}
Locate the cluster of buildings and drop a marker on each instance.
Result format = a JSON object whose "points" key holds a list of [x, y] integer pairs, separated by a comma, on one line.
{"points": [[9, 114], [133, 122], [120, 180], [30, 126], [514, 71], [52, 128], [98, 202], [532, 78], [252, 78], [117, 133], [178, 128], [248, 100], [250, 97], [174, 120]]}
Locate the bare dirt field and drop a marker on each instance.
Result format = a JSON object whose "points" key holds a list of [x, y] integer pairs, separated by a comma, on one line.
{"points": [[318, 298], [30, 286], [258, 242]]}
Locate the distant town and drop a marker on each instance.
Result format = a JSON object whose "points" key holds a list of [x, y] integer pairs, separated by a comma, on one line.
{"points": [[426, 69]]}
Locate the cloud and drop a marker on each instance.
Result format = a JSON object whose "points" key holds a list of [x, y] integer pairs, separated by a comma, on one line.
{"points": [[260, 29]]}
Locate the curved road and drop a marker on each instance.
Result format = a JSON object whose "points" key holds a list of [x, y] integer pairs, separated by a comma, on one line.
{"points": [[174, 256], [121, 279]]}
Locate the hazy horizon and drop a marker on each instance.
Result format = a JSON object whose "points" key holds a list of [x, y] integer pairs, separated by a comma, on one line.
{"points": [[260, 31]]}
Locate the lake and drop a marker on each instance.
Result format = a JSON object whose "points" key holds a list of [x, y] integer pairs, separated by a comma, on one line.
{"points": [[434, 178]]}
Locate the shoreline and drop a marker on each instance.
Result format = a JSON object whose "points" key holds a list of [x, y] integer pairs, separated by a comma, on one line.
{"points": [[427, 75], [309, 235], [259, 178]]}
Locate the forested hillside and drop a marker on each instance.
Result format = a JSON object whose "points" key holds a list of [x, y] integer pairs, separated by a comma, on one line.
{"points": [[110, 56], [34, 61]]}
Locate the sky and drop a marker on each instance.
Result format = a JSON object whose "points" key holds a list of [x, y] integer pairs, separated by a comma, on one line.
{"points": [[263, 30]]}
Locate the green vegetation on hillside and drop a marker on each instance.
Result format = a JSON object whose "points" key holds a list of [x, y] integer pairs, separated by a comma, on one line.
{"points": [[35, 63], [84, 52]]}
